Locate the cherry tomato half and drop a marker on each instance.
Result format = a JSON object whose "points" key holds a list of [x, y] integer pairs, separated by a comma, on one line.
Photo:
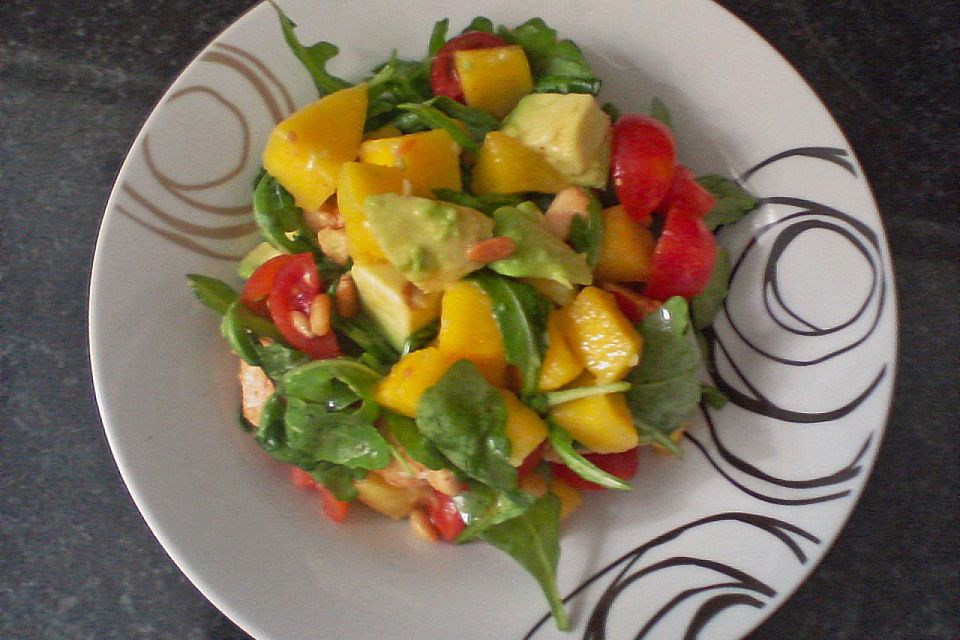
{"points": [[683, 258], [623, 465], [642, 164], [295, 286], [445, 516], [258, 287], [530, 462], [633, 305], [687, 194], [334, 509], [443, 75]]}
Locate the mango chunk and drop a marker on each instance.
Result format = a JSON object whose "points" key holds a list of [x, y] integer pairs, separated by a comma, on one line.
{"points": [[600, 423], [416, 372], [386, 131], [469, 331], [429, 159], [560, 363], [626, 251], [390, 500], [357, 181], [505, 165], [394, 303], [536, 485], [601, 336], [525, 429], [494, 79], [305, 151]]}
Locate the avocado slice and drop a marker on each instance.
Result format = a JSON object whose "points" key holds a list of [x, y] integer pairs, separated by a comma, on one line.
{"points": [[257, 256], [386, 297], [424, 239], [569, 130]]}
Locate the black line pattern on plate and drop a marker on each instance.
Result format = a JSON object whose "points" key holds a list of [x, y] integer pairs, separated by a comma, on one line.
{"points": [[746, 589], [735, 587]]}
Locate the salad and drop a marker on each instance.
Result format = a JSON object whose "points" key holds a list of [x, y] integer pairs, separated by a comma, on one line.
{"points": [[478, 292]]}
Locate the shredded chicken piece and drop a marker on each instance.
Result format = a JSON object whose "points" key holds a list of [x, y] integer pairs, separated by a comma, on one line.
{"points": [[255, 389]]}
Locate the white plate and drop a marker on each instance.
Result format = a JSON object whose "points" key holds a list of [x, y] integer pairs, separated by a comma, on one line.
{"points": [[714, 542]]}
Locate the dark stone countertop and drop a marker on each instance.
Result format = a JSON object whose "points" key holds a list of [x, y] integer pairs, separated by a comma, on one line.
{"points": [[77, 80]]}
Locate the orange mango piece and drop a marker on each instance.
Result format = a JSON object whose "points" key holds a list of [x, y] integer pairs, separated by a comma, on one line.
{"points": [[626, 251], [560, 363], [525, 429], [469, 331], [305, 151], [505, 165], [357, 181], [416, 372], [601, 423], [494, 79], [601, 336], [428, 159]]}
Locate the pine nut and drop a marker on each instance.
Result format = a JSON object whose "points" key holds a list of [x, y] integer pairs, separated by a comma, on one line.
{"points": [[491, 250], [347, 302], [301, 324], [320, 315], [422, 527], [333, 243]]}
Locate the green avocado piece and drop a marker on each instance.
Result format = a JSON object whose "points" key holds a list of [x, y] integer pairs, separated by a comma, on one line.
{"points": [[424, 239], [570, 130], [539, 253], [257, 256]]}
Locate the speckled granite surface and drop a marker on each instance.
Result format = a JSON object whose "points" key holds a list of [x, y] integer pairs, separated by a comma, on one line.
{"points": [[78, 78]]}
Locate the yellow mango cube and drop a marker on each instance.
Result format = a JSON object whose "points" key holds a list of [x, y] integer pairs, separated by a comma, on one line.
{"points": [[525, 429], [505, 165], [429, 159], [560, 363], [601, 336], [600, 423], [394, 303], [305, 151], [357, 181], [390, 500], [469, 331], [386, 131], [626, 251], [416, 372], [494, 79], [536, 485]]}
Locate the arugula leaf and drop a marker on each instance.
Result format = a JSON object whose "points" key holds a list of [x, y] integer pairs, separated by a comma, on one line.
{"points": [[659, 111], [438, 37], [558, 66], [396, 82], [479, 23], [704, 305], [485, 202], [314, 57], [586, 233], [478, 122], [315, 381], [238, 335], [665, 388], [611, 110], [272, 434], [733, 201], [338, 479], [713, 396], [275, 215], [415, 444], [533, 540], [369, 340], [553, 398], [213, 293], [276, 359], [482, 507], [421, 337], [338, 437], [562, 443], [521, 312], [539, 253], [465, 417], [433, 118]]}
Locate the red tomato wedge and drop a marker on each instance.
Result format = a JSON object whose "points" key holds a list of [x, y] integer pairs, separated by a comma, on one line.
{"points": [[683, 258], [530, 462], [686, 193], [334, 509], [302, 479], [445, 516], [295, 285], [633, 305], [623, 465], [443, 75], [642, 164], [258, 287]]}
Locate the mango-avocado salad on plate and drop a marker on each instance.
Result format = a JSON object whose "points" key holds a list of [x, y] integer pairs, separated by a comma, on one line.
{"points": [[479, 290]]}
